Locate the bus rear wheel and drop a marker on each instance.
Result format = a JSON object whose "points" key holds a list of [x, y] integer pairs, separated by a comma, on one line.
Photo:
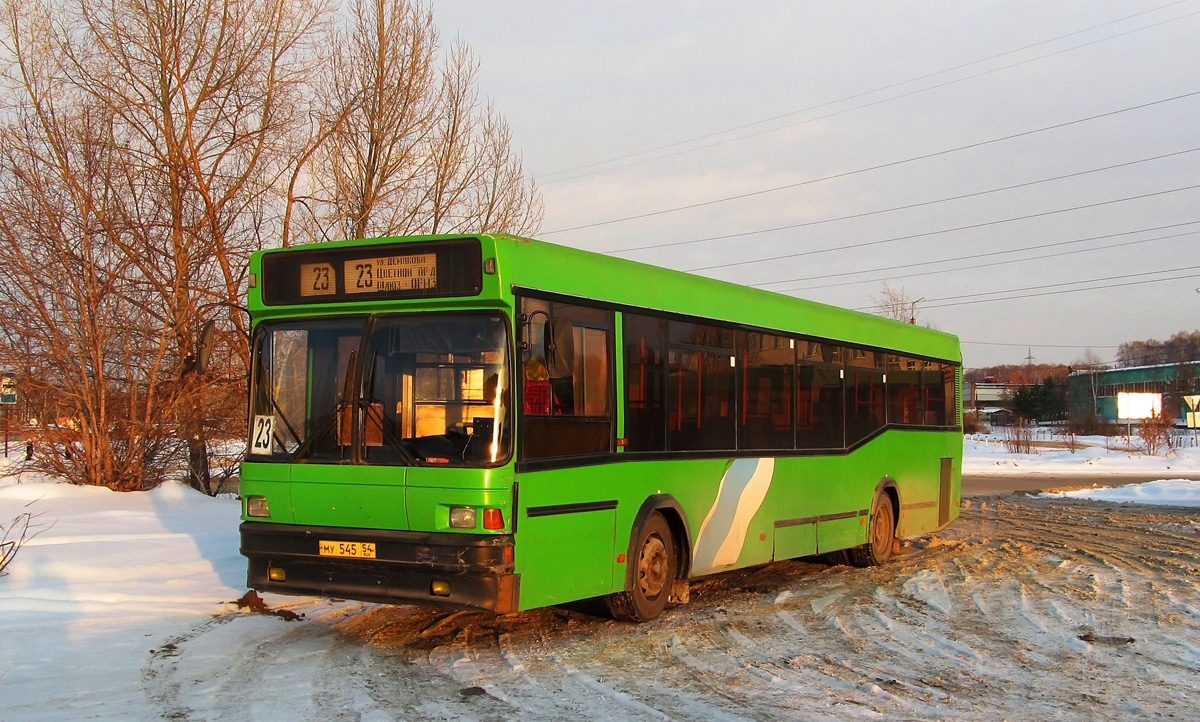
{"points": [[881, 536], [653, 573]]}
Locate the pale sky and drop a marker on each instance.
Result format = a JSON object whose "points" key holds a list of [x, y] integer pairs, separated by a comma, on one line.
{"points": [[624, 108]]}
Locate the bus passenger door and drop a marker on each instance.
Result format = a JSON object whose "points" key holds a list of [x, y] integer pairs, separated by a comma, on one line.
{"points": [[567, 518], [565, 551]]}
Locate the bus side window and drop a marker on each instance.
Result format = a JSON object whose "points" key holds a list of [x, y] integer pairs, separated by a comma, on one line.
{"points": [[701, 388], [820, 397], [938, 382], [865, 395], [904, 390], [766, 365], [645, 339], [567, 387]]}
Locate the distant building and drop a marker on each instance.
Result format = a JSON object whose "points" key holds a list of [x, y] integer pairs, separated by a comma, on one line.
{"points": [[991, 401], [1095, 391], [988, 394], [996, 416]]}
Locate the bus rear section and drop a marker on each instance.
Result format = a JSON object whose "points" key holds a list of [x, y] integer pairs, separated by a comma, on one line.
{"points": [[377, 461]]}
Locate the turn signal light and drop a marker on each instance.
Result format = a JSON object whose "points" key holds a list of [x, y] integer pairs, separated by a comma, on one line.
{"points": [[493, 519]]}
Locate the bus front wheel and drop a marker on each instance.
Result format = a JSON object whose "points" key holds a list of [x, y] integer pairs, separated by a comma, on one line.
{"points": [[880, 538], [654, 563]]}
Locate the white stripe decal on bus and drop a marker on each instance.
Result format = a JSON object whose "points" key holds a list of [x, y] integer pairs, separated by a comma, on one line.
{"points": [[743, 488]]}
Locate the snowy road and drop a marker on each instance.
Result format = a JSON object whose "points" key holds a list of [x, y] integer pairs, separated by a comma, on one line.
{"points": [[1024, 609]]}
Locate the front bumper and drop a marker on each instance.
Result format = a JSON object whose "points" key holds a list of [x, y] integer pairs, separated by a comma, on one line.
{"points": [[478, 568]]}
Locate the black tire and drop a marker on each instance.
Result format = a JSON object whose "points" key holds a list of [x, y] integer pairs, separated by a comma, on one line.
{"points": [[654, 569], [881, 536]]}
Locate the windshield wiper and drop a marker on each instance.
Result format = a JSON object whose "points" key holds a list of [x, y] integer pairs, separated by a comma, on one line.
{"points": [[394, 441], [343, 402]]}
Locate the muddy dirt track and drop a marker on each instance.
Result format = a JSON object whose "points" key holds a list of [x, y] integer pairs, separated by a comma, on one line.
{"points": [[1026, 608]]}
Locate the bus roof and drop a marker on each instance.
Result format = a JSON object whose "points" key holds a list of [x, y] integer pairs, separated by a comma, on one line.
{"points": [[548, 267]]}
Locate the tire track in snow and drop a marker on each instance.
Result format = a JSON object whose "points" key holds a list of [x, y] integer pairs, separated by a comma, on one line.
{"points": [[1023, 609], [219, 669]]}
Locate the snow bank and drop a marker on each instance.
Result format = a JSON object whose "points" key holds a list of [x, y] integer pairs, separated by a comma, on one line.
{"points": [[1169, 492], [102, 578]]}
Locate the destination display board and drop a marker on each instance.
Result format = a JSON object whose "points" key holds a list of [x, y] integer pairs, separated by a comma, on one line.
{"points": [[402, 270]]}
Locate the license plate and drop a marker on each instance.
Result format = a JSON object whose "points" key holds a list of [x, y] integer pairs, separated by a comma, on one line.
{"points": [[355, 550]]}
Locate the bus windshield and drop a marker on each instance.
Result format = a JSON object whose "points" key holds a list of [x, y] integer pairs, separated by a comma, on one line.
{"points": [[408, 389]]}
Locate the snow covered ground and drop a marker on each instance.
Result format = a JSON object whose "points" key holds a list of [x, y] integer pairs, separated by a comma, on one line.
{"points": [[101, 580], [120, 607], [985, 455]]}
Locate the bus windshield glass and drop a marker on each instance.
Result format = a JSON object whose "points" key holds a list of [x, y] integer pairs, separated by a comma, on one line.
{"points": [[411, 389]]}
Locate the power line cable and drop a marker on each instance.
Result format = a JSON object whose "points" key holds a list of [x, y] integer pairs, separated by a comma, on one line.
{"points": [[1071, 290], [880, 166], [911, 236], [1034, 247], [990, 264], [676, 144], [1063, 283], [909, 206], [933, 302], [1037, 345]]}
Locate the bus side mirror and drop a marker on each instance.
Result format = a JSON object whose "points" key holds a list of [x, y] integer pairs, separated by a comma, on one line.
{"points": [[560, 348], [204, 346]]}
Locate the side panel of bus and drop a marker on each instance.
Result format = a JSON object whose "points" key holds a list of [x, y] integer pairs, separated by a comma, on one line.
{"points": [[573, 545]]}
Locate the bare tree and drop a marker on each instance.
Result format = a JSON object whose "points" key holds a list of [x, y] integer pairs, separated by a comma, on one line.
{"points": [[1182, 347], [157, 131], [1089, 360], [77, 335], [897, 305], [147, 147], [413, 151]]}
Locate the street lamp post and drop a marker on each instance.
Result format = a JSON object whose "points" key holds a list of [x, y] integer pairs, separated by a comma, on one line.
{"points": [[912, 309]]}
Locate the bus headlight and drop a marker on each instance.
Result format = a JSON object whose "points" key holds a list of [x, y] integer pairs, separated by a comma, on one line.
{"points": [[257, 506], [462, 517]]}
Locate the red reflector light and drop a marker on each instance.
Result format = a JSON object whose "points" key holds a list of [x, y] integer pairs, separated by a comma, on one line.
{"points": [[493, 519]]}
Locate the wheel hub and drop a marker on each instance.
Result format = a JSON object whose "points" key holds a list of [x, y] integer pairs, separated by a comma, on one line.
{"points": [[652, 567]]}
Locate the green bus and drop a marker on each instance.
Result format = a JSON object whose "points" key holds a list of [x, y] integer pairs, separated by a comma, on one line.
{"points": [[500, 423]]}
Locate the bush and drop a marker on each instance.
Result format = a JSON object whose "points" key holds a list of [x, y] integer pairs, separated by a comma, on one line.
{"points": [[1018, 438], [1155, 433], [15, 534]]}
